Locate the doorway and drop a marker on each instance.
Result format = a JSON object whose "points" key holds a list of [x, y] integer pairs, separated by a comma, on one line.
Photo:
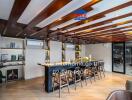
{"points": [[122, 57]]}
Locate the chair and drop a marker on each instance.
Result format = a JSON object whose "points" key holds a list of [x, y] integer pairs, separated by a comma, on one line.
{"points": [[95, 71], [120, 95], [60, 78], [87, 73], [101, 68], [75, 75], [2, 77]]}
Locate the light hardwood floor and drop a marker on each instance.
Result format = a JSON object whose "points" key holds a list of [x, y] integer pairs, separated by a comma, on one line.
{"points": [[32, 89]]}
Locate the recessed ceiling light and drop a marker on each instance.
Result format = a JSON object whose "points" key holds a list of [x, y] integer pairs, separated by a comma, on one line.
{"points": [[59, 19], [88, 31], [129, 32]]}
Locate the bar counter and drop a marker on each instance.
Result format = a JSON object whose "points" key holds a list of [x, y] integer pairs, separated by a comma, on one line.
{"points": [[49, 70]]}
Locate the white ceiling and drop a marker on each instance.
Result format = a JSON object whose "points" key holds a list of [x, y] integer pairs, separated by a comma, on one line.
{"points": [[73, 5], [65, 24], [5, 8], [108, 16], [33, 9], [105, 5], [36, 6], [123, 19], [99, 7], [94, 28]]}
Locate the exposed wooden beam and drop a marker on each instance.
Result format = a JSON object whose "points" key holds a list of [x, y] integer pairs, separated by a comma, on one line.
{"points": [[45, 13], [89, 18], [103, 23], [105, 31], [109, 34], [100, 34], [102, 13], [68, 17], [17, 9]]}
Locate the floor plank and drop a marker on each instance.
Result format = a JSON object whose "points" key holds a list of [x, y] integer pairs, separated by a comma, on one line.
{"points": [[32, 89]]}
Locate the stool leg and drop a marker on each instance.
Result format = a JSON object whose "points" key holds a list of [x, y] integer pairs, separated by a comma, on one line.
{"points": [[86, 81], [75, 81], [85, 77], [97, 73], [67, 80], [94, 73], [103, 71], [89, 76], [53, 85], [81, 82], [68, 86], [100, 72], [59, 86]]}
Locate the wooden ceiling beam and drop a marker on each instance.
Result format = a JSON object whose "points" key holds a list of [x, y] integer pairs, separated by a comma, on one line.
{"points": [[68, 17], [105, 27], [103, 13], [105, 31], [103, 34], [108, 34], [17, 9], [101, 23], [95, 38], [45, 13]]}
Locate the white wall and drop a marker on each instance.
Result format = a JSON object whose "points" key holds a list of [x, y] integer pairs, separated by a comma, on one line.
{"points": [[31, 69], [55, 51], [101, 52], [32, 57], [83, 50], [37, 55], [69, 53]]}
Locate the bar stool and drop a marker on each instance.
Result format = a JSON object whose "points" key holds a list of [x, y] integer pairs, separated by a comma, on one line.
{"points": [[95, 70], [60, 78], [101, 68], [78, 76], [75, 75], [87, 73]]}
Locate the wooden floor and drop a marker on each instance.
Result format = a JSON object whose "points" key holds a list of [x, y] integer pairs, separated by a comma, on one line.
{"points": [[32, 89]]}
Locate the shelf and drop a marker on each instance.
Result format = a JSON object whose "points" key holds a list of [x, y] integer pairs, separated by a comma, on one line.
{"points": [[77, 51], [12, 48], [11, 65], [46, 49], [12, 61]]}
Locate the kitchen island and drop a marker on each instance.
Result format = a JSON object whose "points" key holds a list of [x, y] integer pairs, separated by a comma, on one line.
{"points": [[49, 70]]}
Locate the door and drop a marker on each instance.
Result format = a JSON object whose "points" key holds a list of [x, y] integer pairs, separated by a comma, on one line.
{"points": [[118, 61], [128, 58]]}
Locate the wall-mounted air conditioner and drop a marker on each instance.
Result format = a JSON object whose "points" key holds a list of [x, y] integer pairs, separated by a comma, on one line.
{"points": [[34, 43]]}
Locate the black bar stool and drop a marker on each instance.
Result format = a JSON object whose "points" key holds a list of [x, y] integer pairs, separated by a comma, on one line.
{"points": [[78, 76], [101, 68], [95, 70]]}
